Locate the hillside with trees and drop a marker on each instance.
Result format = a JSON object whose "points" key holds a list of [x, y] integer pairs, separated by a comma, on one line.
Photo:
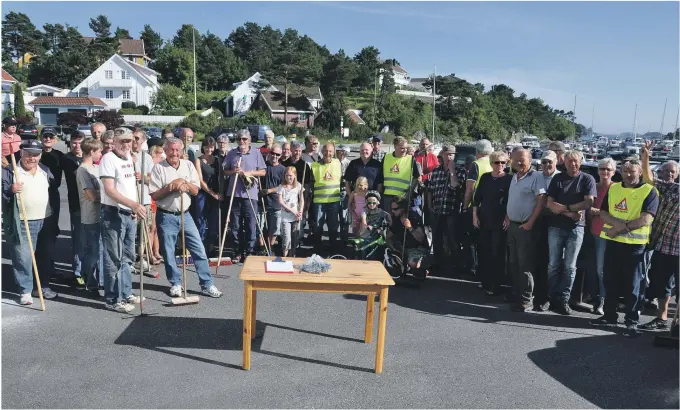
{"points": [[62, 58]]}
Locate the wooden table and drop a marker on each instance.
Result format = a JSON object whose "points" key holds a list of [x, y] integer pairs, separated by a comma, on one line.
{"points": [[344, 276]]}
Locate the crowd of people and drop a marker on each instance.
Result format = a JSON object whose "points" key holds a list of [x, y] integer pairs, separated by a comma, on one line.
{"points": [[493, 216]]}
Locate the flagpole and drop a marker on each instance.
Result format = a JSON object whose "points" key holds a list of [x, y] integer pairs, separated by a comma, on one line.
{"points": [[193, 36], [434, 99]]}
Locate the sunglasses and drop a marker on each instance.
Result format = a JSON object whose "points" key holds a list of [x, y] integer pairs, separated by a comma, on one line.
{"points": [[315, 143], [274, 154], [546, 162], [125, 141], [48, 137], [371, 203], [606, 169], [499, 162]]}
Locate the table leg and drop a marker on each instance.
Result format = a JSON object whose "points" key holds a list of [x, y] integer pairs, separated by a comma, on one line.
{"points": [[382, 321], [253, 326], [368, 330], [247, 322]]}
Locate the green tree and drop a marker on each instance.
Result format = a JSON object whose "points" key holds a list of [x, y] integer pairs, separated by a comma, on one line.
{"points": [[68, 62], [19, 108], [175, 66], [338, 73], [333, 109], [152, 41], [368, 62], [219, 67], [169, 97], [103, 46], [257, 46], [122, 34], [20, 36]]}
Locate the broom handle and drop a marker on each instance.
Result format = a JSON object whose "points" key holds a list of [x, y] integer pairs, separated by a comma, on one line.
{"points": [[184, 248], [28, 235], [226, 224]]}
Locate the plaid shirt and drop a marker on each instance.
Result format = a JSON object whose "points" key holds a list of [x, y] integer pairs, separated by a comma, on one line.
{"points": [[444, 196], [665, 227], [379, 155]]}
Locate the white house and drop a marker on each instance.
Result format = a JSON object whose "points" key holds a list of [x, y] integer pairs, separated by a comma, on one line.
{"points": [[119, 80], [44, 90], [48, 108], [7, 99], [401, 77], [240, 100]]}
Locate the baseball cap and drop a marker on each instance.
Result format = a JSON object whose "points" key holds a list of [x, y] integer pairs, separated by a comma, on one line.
{"points": [[556, 146], [377, 137], [154, 141], [549, 155], [48, 130], [9, 121], [342, 147], [122, 134], [32, 146]]}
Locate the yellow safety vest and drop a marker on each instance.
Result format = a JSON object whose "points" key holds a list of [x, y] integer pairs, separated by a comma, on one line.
{"points": [[483, 167], [626, 204], [397, 174], [327, 181]]}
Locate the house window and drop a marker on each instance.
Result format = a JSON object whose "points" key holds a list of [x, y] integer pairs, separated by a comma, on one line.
{"points": [[124, 75], [109, 94], [302, 117], [126, 94], [108, 74]]}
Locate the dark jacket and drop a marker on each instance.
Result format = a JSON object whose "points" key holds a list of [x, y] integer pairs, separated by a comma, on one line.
{"points": [[10, 203]]}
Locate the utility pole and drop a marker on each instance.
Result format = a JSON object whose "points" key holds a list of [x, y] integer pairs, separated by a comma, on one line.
{"points": [[434, 99], [193, 36], [375, 94]]}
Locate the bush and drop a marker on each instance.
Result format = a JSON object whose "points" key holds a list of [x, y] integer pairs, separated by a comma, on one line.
{"points": [[110, 118], [144, 109], [200, 124], [175, 111], [130, 111], [128, 105], [360, 132]]}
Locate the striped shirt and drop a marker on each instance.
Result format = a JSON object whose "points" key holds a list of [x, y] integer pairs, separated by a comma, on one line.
{"points": [[665, 227]]}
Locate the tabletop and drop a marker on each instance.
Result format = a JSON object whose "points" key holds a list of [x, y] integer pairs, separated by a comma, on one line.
{"points": [[353, 272]]}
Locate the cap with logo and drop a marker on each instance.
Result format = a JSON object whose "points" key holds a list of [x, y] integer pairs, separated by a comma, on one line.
{"points": [[549, 155], [32, 146], [48, 131]]}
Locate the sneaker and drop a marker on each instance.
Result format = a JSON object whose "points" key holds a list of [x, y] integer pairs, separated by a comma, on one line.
{"points": [[120, 307], [25, 299], [632, 331], [518, 307], [236, 259], [542, 307], [80, 281], [603, 321], [655, 324], [212, 292], [47, 293], [563, 309], [133, 300], [176, 291]]}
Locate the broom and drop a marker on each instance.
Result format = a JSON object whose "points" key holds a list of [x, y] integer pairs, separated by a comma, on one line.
{"points": [[186, 300]]}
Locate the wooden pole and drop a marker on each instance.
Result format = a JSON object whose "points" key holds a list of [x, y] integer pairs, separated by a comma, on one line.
{"points": [[226, 224], [22, 206]]}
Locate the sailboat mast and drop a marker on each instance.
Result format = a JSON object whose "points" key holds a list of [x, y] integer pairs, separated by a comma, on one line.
{"points": [[663, 116], [592, 123], [635, 121]]}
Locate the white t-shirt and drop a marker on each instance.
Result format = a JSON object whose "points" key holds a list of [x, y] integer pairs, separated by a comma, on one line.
{"points": [[35, 194], [291, 198], [122, 171], [148, 165]]}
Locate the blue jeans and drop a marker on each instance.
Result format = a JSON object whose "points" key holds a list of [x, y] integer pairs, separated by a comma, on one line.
{"points": [[567, 243], [206, 217], [118, 237], [624, 275], [596, 271], [22, 263], [169, 227], [93, 255], [326, 214], [243, 208], [77, 242]]}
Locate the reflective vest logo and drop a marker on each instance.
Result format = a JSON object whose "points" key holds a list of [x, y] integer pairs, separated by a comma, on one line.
{"points": [[622, 206], [328, 176], [395, 169]]}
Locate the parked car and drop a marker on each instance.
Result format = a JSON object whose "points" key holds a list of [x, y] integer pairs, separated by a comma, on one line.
{"points": [[462, 152], [152, 132], [27, 131], [85, 129], [231, 133], [257, 132]]}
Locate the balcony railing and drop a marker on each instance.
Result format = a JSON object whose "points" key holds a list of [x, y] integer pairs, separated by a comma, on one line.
{"points": [[114, 83]]}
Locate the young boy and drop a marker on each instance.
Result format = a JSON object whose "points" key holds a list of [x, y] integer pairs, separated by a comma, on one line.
{"points": [[376, 221], [87, 179]]}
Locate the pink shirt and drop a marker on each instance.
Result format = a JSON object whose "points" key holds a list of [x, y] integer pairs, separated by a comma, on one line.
{"points": [[597, 223], [10, 144]]}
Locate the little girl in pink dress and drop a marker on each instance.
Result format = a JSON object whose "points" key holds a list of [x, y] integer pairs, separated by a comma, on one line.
{"points": [[357, 204]]}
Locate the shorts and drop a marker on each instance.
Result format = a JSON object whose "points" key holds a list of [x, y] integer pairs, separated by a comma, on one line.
{"points": [[273, 227], [663, 276]]}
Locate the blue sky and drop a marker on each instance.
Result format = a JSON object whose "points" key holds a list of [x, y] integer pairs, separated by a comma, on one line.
{"points": [[611, 54]]}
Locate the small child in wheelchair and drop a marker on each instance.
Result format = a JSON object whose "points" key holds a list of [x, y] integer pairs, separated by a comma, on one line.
{"points": [[368, 241]]}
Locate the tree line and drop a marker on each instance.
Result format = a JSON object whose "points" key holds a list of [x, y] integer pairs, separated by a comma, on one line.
{"points": [[62, 58]]}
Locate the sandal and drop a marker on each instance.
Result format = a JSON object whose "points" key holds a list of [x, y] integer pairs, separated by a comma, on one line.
{"points": [[157, 260]]}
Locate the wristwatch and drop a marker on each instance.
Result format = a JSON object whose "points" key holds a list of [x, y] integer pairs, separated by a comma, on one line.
{"points": [[568, 208]]}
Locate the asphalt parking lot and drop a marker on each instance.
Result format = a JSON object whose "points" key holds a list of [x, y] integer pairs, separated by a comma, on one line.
{"points": [[448, 345]]}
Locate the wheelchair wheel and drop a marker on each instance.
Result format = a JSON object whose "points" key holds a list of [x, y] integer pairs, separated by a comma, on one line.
{"points": [[337, 257]]}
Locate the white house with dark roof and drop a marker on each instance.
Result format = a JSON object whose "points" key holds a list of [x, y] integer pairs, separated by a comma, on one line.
{"points": [[401, 77], [118, 80]]}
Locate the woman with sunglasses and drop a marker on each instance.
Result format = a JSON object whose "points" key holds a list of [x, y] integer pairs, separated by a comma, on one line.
{"points": [[208, 196], [605, 170], [488, 213]]}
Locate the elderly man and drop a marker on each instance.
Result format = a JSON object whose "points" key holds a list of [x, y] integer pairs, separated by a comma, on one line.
{"points": [[559, 149], [172, 181], [541, 294], [525, 203], [119, 209], [571, 193], [97, 129], [69, 163], [377, 152], [143, 176], [243, 165], [285, 152], [311, 152], [364, 166], [187, 137], [426, 158], [220, 153], [35, 185], [398, 170], [440, 200], [664, 239], [272, 180], [302, 169], [107, 141], [628, 210], [327, 176], [268, 143]]}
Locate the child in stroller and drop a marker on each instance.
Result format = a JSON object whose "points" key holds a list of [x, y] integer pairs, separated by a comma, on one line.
{"points": [[368, 243]]}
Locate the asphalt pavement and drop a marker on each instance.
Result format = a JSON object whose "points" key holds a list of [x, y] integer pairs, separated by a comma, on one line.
{"points": [[448, 345]]}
